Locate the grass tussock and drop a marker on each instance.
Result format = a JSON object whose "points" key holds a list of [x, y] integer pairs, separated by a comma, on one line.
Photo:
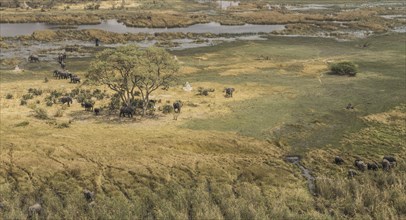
{"points": [[41, 113], [380, 195]]}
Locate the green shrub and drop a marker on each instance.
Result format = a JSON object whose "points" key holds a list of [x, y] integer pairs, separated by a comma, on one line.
{"points": [[74, 92], [344, 68], [49, 103], [23, 102], [115, 102], [55, 94], [27, 96], [166, 109], [204, 91], [9, 96], [36, 92], [63, 125], [22, 124]]}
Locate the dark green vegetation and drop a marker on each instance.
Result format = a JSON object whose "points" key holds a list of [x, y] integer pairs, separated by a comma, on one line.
{"points": [[344, 68], [226, 165]]}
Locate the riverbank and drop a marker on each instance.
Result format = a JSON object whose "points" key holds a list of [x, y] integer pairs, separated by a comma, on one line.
{"points": [[364, 18]]}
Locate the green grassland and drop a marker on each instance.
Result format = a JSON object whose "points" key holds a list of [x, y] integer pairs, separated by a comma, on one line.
{"points": [[224, 157]]}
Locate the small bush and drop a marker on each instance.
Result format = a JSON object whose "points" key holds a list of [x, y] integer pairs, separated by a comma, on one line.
{"points": [[115, 102], [36, 92], [55, 94], [204, 91], [92, 6], [63, 125], [49, 103], [23, 102], [22, 124], [344, 68], [46, 80], [41, 113], [9, 96], [38, 102], [166, 109], [27, 96], [98, 94], [74, 92]]}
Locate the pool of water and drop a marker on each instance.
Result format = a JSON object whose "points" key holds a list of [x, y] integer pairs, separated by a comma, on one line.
{"points": [[11, 30]]}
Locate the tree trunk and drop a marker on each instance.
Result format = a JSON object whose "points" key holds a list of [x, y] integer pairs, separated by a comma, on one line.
{"points": [[145, 104]]}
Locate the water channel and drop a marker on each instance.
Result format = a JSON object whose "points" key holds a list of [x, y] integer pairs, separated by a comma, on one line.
{"points": [[17, 29]]}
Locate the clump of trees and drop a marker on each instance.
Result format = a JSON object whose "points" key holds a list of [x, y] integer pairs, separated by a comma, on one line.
{"points": [[134, 72], [344, 68]]}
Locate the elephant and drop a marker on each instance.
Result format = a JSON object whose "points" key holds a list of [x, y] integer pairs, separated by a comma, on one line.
{"points": [[88, 106], [75, 79], [360, 165], [372, 166], [33, 58], [177, 106], [126, 110], [352, 173], [66, 99], [229, 92], [338, 160], [34, 209], [89, 195]]}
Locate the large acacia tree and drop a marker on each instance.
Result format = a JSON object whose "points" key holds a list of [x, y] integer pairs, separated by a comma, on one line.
{"points": [[131, 71]]}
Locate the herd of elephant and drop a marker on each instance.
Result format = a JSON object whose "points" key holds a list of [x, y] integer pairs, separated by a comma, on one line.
{"points": [[127, 110], [388, 162], [87, 105], [58, 74]]}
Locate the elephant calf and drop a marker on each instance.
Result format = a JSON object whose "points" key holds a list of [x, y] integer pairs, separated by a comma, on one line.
{"points": [[338, 160], [360, 165]]}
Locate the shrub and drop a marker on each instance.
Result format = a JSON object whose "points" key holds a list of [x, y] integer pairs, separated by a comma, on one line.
{"points": [[344, 68], [63, 125], [22, 124], [27, 96], [115, 102], [55, 94], [23, 102], [9, 96], [92, 6], [49, 103], [204, 91], [36, 92], [166, 109], [98, 94], [41, 113], [46, 80], [74, 92]]}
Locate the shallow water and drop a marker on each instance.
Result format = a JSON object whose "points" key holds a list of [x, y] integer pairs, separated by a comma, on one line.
{"points": [[49, 50], [226, 4], [11, 30]]}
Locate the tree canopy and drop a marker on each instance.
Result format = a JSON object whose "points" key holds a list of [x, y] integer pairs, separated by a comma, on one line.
{"points": [[131, 71]]}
